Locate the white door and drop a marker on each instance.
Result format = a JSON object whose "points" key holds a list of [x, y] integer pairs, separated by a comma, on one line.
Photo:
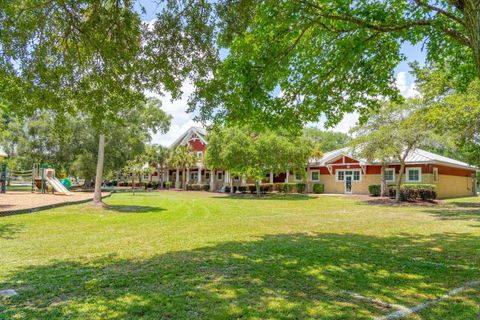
{"points": [[348, 184]]}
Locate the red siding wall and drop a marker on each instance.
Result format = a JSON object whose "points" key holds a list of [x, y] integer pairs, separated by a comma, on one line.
{"points": [[197, 145], [426, 169]]}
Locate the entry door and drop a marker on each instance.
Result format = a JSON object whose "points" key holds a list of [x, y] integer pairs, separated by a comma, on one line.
{"points": [[348, 184]]}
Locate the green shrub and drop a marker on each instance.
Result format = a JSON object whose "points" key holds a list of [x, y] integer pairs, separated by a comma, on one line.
{"points": [[198, 187], [227, 189], [301, 187], [242, 189], [168, 184], [288, 187], [252, 188], [412, 192], [318, 188], [374, 190]]}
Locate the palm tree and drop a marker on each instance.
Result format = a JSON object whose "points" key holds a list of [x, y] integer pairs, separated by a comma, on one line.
{"points": [[157, 157], [183, 157]]}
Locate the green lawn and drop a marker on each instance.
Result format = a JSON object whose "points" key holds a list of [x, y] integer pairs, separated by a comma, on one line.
{"points": [[186, 255]]}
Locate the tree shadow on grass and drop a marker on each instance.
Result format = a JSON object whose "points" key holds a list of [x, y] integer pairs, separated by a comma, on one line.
{"points": [[9, 230], [458, 211], [287, 276], [134, 208], [274, 196]]}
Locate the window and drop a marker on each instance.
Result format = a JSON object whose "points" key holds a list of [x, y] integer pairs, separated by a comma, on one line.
{"points": [[298, 176], [340, 175], [207, 175], [414, 175], [219, 176], [356, 175], [193, 176], [390, 175], [435, 174], [236, 178], [200, 155], [315, 175]]}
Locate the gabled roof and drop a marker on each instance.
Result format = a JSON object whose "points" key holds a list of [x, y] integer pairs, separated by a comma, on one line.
{"points": [[417, 156], [183, 139]]}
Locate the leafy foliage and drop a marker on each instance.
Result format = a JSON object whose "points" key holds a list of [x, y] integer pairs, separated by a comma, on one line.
{"points": [[288, 62]]}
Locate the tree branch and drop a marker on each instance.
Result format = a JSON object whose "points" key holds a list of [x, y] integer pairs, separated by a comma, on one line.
{"points": [[447, 14], [361, 23]]}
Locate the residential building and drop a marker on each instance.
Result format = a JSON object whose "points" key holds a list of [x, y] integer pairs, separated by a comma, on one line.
{"points": [[339, 171]]}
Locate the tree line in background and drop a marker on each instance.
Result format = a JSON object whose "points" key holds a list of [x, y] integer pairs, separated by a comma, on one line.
{"points": [[286, 63]]}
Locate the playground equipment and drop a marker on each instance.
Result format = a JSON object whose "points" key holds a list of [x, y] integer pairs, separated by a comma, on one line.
{"points": [[3, 178], [44, 177]]}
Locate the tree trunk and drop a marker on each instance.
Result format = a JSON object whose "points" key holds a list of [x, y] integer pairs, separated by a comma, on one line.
{"points": [[257, 184], [212, 180], [382, 180], [399, 181], [231, 185], [133, 183], [97, 198], [471, 12]]}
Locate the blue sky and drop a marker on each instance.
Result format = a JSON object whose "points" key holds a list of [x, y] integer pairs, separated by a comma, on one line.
{"points": [[183, 120]]}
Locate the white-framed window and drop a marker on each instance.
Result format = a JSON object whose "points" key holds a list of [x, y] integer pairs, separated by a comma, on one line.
{"points": [[200, 155], [315, 175], [435, 175], [340, 175], [236, 178], [219, 176], [413, 175], [389, 175], [298, 176], [356, 174], [207, 176]]}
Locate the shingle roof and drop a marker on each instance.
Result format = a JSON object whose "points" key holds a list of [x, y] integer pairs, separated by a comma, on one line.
{"points": [[416, 156]]}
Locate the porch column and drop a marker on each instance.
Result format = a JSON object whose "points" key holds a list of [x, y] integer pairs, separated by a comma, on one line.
{"points": [[244, 180], [199, 178], [166, 174], [177, 179], [187, 178], [226, 177], [309, 181], [287, 173], [271, 176]]}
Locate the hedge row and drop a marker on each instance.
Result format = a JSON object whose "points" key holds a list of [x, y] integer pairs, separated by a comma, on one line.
{"points": [[408, 191], [198, 187], [412, 192]]}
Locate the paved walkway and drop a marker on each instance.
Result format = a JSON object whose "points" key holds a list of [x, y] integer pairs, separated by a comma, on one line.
{"points": [[21, 200]]}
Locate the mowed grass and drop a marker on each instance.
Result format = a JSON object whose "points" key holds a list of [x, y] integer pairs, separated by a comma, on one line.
{"points": [[188, 255]]}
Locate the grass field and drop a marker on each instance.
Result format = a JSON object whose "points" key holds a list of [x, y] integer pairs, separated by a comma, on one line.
{"points": [[187, 255]]}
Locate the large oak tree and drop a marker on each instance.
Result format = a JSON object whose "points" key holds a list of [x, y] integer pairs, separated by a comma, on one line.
{"points": [[288, 62]]}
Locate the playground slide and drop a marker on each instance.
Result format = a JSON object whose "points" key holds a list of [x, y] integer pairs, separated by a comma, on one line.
{"points": [[58, 186]]}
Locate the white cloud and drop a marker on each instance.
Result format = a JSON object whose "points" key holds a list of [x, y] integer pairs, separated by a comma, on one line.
{"points": [[349, 121], [181, 119], [407, 88]]}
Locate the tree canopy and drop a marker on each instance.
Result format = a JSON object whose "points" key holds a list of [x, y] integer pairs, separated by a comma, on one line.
{"points": [[288, 62], [390, 135]]}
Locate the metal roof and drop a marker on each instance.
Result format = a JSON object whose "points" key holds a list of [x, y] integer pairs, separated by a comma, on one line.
{"points": [[417, 156]]}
